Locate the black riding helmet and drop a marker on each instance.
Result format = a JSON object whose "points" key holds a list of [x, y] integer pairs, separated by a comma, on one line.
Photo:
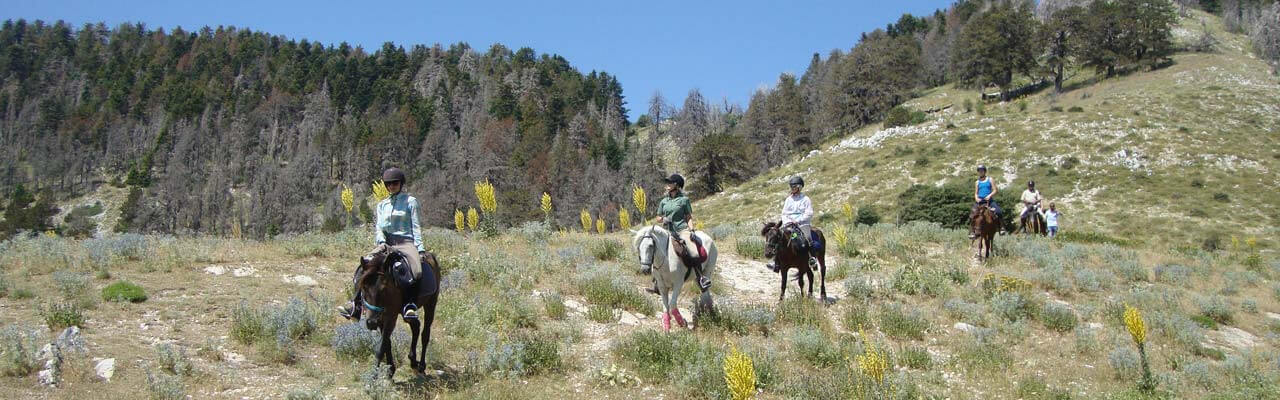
{"points": [[1031, 184], [982, 167], [675, 179], [796, 180], [393, 174]]}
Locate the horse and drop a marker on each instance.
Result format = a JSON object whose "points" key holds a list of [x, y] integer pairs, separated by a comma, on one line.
{"points": [[987, 225], [1033, 223], [669, 271], [383, 298], [792, 255]]}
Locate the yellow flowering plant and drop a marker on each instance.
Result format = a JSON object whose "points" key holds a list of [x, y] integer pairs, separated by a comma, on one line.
{"points": [[459, 221], [586, 220], [624, 218], [739, 375], [473, 218], [380, 191]]}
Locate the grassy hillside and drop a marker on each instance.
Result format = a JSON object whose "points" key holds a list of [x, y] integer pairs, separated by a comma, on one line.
{"points": [[1170, 156]]}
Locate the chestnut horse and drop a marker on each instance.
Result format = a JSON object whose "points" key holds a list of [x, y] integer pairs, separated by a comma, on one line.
{"points": [[987, 225], [783, 244], [384, 299]]}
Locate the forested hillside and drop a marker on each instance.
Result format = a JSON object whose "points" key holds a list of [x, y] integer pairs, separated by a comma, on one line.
{"points": [[224, 128]]}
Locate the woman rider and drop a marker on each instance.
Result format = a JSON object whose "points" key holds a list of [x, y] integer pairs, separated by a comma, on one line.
{"points": [[797, 209], [675, 213], [396, 227], [984, 191]]}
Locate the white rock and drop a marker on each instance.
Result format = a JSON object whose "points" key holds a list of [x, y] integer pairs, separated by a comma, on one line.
{"points": [[628, 319], [105, 369], [300, 280], [47, 377], [45, 352], [243, 272], [575, 306], [1095, 325], [233, 357], [70, 340], [1273, 315], [215, 270], [1235, 337], [963, 327]]}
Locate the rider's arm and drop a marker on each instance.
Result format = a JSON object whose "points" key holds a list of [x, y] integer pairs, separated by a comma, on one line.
{"points": [[806, 207], [417, 228], [994, 190], [975, 191], [378, 237]]}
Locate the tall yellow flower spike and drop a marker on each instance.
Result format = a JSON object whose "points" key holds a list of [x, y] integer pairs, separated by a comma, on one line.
{"points": [[459, 221], [739, 375], [380, 192], [841, 235], [873, 364], [624, 218], [586, 220], [1133, 321], [638, 199], [546, 204], [600, 225], [485, 195], [473, 218], [847, 210], [348, 198]]}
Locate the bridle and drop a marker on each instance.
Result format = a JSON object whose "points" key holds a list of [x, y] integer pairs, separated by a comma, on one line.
{"points": [[648, 235], [380, 274]]}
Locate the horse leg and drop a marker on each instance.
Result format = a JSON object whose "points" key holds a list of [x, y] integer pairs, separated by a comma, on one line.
{"points": [[384, 351], [414, 329], [428, 316], [810, 273], [822, 269], [675, 305], [783, 294], [666, 309]]}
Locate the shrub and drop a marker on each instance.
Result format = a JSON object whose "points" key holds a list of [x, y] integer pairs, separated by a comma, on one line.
{"points": [[858, 288], [655, 353], [605, 288], [867, 216], [1221, 197], [968, 105], [750, 247], [1075, 109], [915, 357], [913, 279], [606, 250], [801, 311], [80, 223], [1055, 109], [124, 291], [18, 350], [1085, 341], [903, 116], [353, 342], [897, 322], [1070, 162], [963, 311], [869, 163], [982, 352], [4, 285], [165, 387], [173, 360], [1013, 306], [62, 315], [601, 314], [1058, 318], [375, 382], [1217, 308], [814, 347], [248, 325], [553, 303], [948, 205], [1173, 274], [71, 285], [856, 317], [738, 319], [1125, 363]]}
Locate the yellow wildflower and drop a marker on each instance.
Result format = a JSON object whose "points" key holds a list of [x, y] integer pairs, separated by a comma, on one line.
{"points": [[1133, 321], [473, 218], [739, 375]]}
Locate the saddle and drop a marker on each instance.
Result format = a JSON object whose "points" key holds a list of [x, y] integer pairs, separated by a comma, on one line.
{"points": [[683, 251], [426, 285]]}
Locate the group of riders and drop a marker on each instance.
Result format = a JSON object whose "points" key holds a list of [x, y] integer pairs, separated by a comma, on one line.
{"points": [[397, 227]]}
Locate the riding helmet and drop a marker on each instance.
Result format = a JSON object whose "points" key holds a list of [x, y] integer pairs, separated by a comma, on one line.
{"points": [[1031, 183], [393, 174], [982, 167], [797, 180], [675, 179]]}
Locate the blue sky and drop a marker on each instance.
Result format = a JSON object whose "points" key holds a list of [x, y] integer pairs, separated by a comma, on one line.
{"points": [[725, 49]]}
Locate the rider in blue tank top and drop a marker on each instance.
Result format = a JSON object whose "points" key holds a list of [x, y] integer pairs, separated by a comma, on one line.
{"points": [[984, 191]]}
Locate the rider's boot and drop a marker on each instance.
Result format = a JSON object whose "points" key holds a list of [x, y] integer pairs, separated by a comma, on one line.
{"points": [[352, 309]]}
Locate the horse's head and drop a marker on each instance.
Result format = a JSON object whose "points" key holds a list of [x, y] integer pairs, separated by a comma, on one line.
{"points": [[645, 242], [772, 233], [373, 279]]}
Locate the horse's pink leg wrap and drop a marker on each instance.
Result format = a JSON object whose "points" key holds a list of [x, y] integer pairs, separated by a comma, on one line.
{"points": [[666, 321], [679, 318]]}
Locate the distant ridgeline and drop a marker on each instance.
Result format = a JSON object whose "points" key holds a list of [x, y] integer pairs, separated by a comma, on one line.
{"points": [[226, 126]]}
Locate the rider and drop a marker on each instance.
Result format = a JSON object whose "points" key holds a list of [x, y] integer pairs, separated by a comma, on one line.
{"points": [[396, 226], [984, 191], [798, 209], [1030, 202], [675, 212]]}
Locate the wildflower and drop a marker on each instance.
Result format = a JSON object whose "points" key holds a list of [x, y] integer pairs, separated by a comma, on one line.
{"points": [[739, 374]]}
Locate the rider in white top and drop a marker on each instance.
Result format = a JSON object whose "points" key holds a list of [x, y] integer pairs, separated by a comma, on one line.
{"points": [[1030, 200], [798, 209]]}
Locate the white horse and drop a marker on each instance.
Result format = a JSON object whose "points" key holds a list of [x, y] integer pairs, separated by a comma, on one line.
{"points": [[669, 271]]}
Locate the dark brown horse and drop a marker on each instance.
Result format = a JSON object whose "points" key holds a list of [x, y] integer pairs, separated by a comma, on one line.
{"points": [[784, 245], [987, 225], [384, 300]]}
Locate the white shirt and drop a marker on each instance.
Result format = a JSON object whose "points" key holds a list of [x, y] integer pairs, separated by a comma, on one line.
{"points": [[798, 209], [1051, 218]]}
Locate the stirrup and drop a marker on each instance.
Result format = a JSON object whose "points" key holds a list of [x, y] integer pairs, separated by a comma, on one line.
{"points": [[704, 283], [813, 262], [410, 311]]}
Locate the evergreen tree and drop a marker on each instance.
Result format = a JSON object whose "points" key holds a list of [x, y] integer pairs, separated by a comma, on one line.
{"points": [[995, 45], [1062, 38]]}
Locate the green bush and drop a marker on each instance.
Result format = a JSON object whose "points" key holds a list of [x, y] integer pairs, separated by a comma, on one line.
{"points": [[915, 357], [949, 205], [605, 288], [903, 116], [173, 360], [606, 249], [124, 291], [750, 247], [1075, 109], [815, 348], [1058, 318], [165, 387], [553, 303], [898, 322], [655, 354], [62, 315]]}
